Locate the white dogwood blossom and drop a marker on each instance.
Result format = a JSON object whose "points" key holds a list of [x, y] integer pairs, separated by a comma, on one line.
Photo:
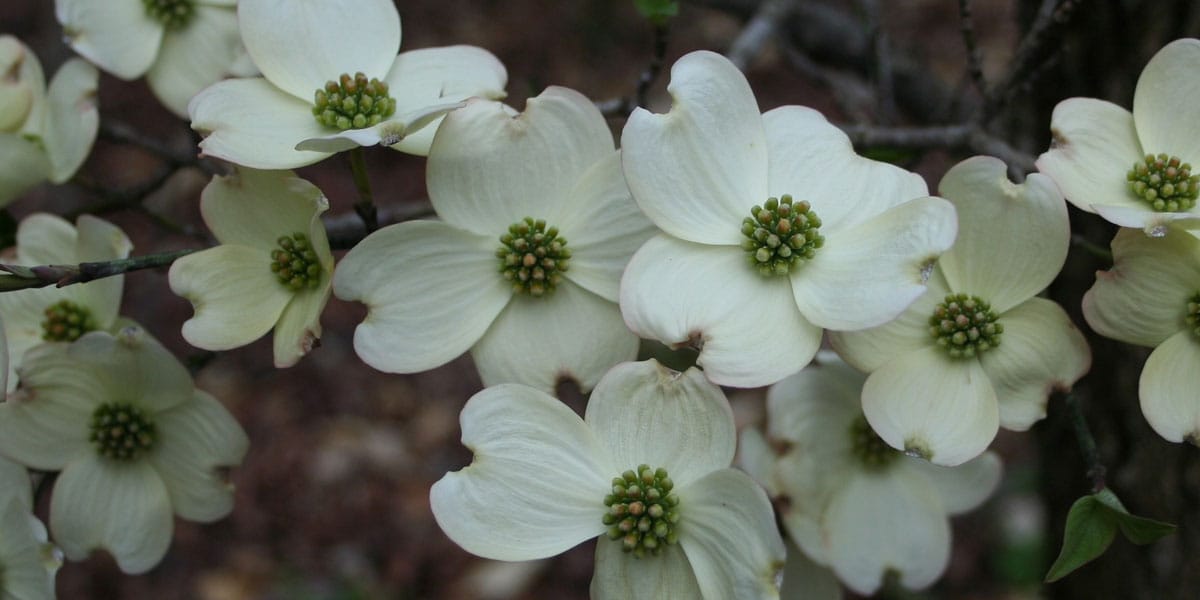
{"points": [[523, 266], [332, 81], [272, 269], [773, 228], [646, 470], [28, 562], [1135, 169], [980, 350]]}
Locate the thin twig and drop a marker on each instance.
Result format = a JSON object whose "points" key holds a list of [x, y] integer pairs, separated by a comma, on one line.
{"points": [[652, 71], [1087, 443], [365, 207], [974, 56], [884, 80], [22, 277], [122, 133], [1033, 50], [346, 230], [965, 136], [761, 28]]}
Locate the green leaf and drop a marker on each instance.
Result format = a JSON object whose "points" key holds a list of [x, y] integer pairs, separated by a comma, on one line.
{"points": [[657, 11], [1139, 530], [1091, 527]]}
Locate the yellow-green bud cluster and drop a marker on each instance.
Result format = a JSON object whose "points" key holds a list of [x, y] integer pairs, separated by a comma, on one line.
{"points": [[66, 322], [174, 14], [1165, 183], [1193, 314], [121, 431], [533, 257], [781, 235], [642, 512], [352, 102], [295, 263], [965, 326], [870, 450]]}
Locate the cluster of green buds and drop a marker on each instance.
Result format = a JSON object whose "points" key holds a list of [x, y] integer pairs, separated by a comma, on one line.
{"points": [[121, 431], [353, 102], [295, 263], [965, 326], [533, 257], [1193, 314], [870, 449], [66, 322], [642, 512], [781, 235], [1165, 183], [174, 14]]}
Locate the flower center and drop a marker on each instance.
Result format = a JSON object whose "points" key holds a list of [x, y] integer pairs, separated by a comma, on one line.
{"points": [[781, 235], [868, 447], [295, 263], [66, 321], [121, 431], [352, 102], [533, 257], [1193, 314], [1164, 182], [642, 512], [965, 326], [174, 14]]}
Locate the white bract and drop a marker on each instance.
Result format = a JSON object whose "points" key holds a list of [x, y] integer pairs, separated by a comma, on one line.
{"points": [[135, 441], [272, 269], [979, 351], [1151, 297], [33, 316], [523, 267], [45, 133], [646, 470], [181, 46], [854, 503], [332, 81], [773, 228], [27, 562], [1134, 169]]}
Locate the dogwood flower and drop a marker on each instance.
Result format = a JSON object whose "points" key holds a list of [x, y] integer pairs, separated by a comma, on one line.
{"points": [[852, 502], [135, 442], [27, 562], [979, 351], [53, 314], [522, 269], [1134, 169], [45, 133], [272, 269], [1151, 297], [180, 46], [773, 228], [646, 470], [332, 81]]}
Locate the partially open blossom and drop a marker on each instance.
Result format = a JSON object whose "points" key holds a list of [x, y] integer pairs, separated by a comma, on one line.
{"points": [[53, 314], [135, 442], [45, 133], [272, 270], [28, 562], [522, 268], [646, 470], [332, 81], [1151, 297], [773, 228], [980, 350], [1134, 168]]}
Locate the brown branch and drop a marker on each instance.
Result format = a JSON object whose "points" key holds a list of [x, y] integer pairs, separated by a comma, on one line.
{"points": [[974, 56], [761, 28], [968, 137]]}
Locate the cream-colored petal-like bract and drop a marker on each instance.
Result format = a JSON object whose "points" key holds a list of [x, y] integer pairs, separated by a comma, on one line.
{"points": [[537, 482], [1143, 298], [23, 164], [1012, 239], [488, 169], [747, 326], [1040, 352], [756, 457], [47, 430], [99, 240], [253, 208], [620, 576], [645, 413], [1167, 388], [117, 35], [28, 574], [805, 579], [433, 76], [236, 297], [431, 291], [814, 161], [122, 508], [1164, 102], [23, 89], [868, 274], [869, 349], [397, 128], [299, 325], [15, 484], [697, 170], [129, 364], [195, 56], [1094, 145], [252, 123], [72, 118], [730, 536], [301, 44], [199, 439], [924, 402], [960, 488], [1153, 224], [572, 335], [46, 239]]}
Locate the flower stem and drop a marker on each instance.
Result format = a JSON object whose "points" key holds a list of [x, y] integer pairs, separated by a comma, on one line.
{"points": [[365, 207], [1087, 443], [21, 277], [1094, 249]]}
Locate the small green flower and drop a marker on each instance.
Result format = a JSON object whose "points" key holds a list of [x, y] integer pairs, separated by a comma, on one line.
{"points": [[295, 263], [1164, 182], [66, 321], [173, 14], [533, 257], [642, 512], [353, 102], [781, 235], [965, 326]]}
